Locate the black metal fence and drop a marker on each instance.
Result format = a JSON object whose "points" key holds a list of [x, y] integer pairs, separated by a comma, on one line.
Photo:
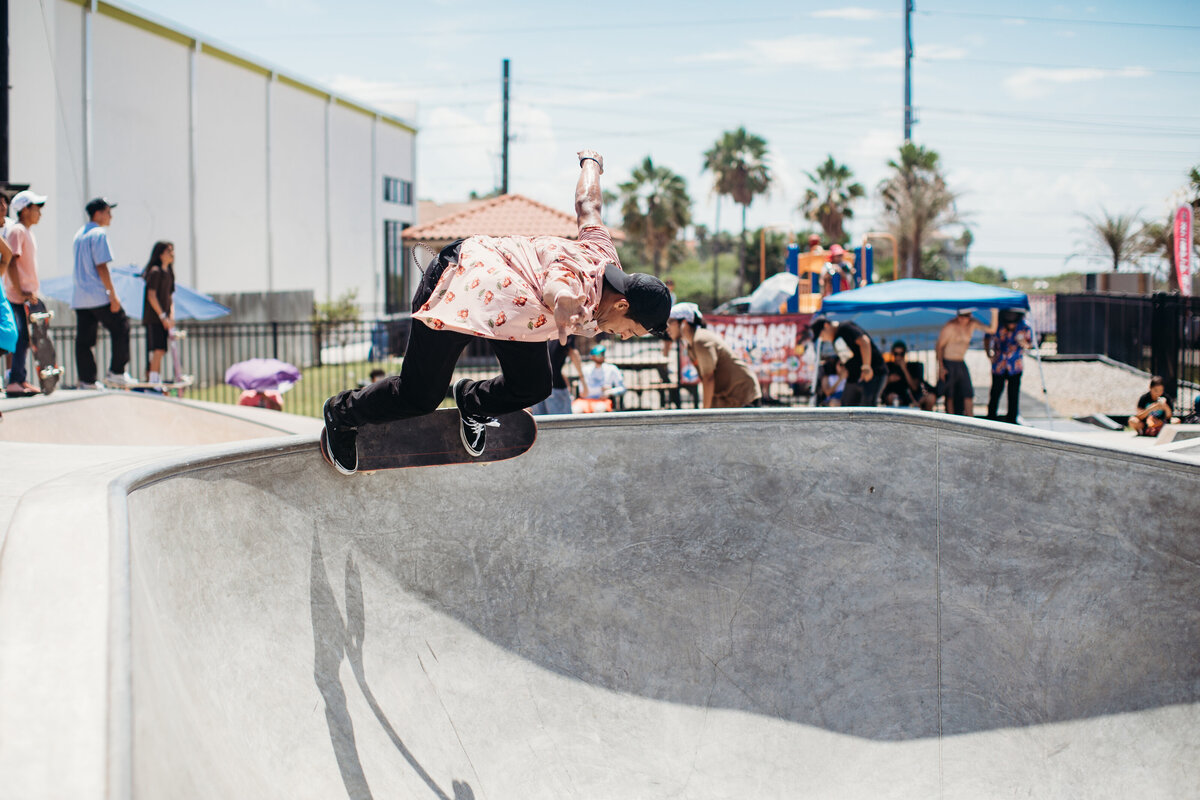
{"points": [[1158, 333], [337, 356]]}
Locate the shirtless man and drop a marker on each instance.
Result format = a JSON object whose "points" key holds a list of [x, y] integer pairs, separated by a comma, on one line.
{"points": [[952, 345]]}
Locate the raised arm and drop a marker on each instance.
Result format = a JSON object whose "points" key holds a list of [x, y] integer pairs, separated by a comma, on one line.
{"points": [[587, 191]]}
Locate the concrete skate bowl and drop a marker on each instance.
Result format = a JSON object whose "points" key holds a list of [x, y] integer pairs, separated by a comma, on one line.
{"points": [[746, 604], [127, 418]]}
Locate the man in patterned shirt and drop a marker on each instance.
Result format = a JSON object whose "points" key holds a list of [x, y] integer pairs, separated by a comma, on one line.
{"points": [[517, 292]]}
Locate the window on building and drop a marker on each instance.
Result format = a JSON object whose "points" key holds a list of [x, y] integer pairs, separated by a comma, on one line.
{"points": [[397, 191], [395, 268]]}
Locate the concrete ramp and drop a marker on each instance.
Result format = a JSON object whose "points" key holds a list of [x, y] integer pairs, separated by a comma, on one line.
{"points": [[742, 604], [136, 419]]}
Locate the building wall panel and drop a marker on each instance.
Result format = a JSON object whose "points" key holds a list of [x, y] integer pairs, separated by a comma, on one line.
{"points": [[140, 140], [231, 171], [298, 190]]}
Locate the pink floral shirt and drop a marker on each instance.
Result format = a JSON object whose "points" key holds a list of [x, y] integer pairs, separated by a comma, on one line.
{"points": [[495, 291]]}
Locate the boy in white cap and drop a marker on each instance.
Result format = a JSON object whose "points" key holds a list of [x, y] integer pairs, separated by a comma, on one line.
{"points": [[21, 283], [726, 381]]}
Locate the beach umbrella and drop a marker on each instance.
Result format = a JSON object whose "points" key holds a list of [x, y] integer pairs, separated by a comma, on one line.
{"points": [[262, 374], [131, 290]]}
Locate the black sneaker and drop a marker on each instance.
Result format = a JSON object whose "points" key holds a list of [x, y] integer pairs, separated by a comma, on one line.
{"points": [[472, 429], [338, 444]]}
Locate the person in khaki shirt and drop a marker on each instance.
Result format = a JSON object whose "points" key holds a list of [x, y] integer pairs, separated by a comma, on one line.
{"points": [[725, 380]]}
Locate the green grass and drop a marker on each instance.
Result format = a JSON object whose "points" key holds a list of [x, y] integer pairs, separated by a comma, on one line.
{"points": [[308, 396]]}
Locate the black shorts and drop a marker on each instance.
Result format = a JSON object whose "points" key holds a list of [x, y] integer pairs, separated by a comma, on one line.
{"points": [[156, 337], [958, 380]]}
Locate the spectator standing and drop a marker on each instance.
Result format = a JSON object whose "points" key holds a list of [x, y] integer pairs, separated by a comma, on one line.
{"points": [[865, 369], [726, 381], [95, 300], [1007, 350], [158, 306], [559, 401], [906, 385], [8, 323], [1155, 410], [21, 284], [954, 379]]}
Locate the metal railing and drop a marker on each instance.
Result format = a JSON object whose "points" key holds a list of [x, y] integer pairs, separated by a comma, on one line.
{"points": [[337, 356], [1159, 334]]}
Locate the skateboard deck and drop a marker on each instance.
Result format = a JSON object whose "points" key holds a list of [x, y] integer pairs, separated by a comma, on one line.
{"points": [[142, 386], [48, 370], [434, 440]]}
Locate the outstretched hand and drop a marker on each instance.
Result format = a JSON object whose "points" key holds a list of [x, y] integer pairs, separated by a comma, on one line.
{"points": [[569, 313]]}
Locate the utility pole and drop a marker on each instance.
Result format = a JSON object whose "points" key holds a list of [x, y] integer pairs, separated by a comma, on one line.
{"points": [[908, 54], [504, 140]]}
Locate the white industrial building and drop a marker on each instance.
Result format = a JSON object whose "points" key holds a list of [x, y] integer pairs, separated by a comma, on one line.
{"points": [[264, 182]]}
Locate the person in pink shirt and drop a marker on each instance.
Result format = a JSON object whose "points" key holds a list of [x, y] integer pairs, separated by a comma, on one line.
{"points": [[21, 283], [517, 292]]}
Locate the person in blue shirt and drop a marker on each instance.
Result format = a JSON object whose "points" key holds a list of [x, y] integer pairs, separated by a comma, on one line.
{"points": [[95, 300], [1007, 348]]}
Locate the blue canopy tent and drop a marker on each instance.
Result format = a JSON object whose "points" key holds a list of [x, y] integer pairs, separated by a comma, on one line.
{"points": [[915, 310], [131, 290]]}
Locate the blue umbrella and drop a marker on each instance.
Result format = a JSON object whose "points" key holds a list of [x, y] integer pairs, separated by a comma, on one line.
{"points": [[131, 290]]}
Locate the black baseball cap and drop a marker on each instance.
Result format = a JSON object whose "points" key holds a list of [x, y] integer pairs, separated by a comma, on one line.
{"points": [[649, 299], [98, 204]]}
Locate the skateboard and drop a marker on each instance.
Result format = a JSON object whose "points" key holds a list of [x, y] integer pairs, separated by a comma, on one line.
{"points": [[434, 440], [179, 381], [48, 370], [162, 386]]}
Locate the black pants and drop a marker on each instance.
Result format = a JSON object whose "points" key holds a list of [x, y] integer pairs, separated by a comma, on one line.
{"points": [[428, 367], [1013, 382], [18, 374], [88, 321]]}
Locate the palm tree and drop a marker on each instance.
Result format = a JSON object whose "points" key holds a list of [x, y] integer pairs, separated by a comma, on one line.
{"points": [[655, 206], [829, 201], [1157, 240], [1114, 237], [738, 162], [917, 204]]}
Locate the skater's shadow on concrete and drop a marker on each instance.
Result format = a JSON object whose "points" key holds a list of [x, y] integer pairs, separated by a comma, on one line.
{"points": [[334, 638]]}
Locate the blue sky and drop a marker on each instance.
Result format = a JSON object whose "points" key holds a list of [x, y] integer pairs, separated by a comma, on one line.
{"points": [[1041, 112]]}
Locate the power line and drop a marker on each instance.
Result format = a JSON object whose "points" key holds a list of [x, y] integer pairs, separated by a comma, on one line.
{"points": [[1057, 20], [1001, 63]]}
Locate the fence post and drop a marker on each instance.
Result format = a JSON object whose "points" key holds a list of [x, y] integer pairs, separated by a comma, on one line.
{"points": [[274, 339], [1164, 340]]}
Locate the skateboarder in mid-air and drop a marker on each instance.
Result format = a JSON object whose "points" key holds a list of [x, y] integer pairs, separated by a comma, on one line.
{"points": [[517, 292]]}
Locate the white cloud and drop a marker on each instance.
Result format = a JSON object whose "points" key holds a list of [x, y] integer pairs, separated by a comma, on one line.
{"points": [[821, 53], [941, 52], [1033, 82], [854, 14]]}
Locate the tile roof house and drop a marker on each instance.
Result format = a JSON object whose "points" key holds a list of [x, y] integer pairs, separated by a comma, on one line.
{"points": [[506, 215]]}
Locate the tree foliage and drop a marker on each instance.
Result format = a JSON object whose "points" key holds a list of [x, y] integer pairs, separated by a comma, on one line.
{"points": [[1113, 237], [917, 204], [738, 162], [829, 201], [655, 207]]}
